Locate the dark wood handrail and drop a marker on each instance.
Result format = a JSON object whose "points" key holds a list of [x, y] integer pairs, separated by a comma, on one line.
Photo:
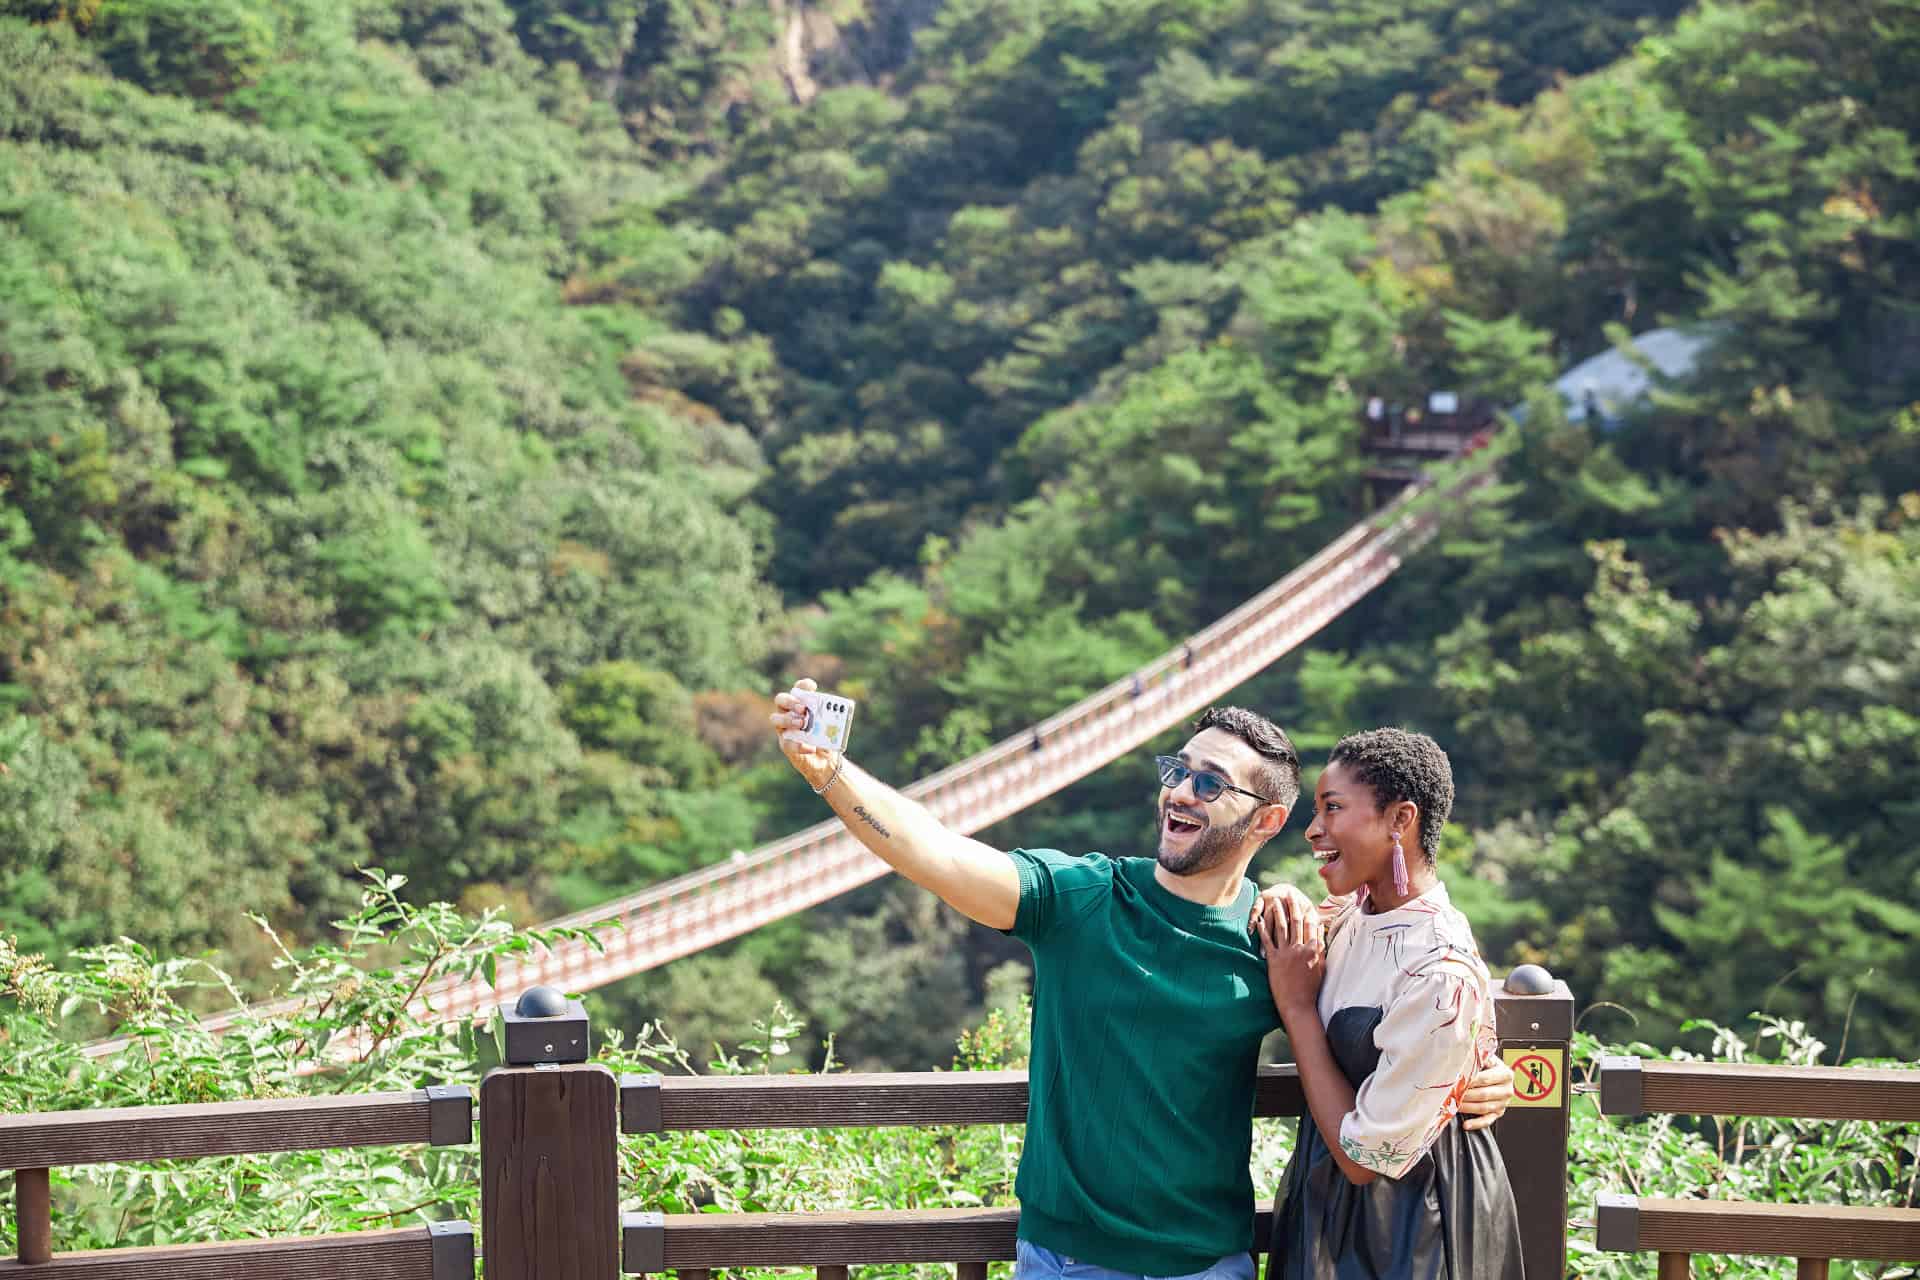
{"points": [[441, 1115], [653, 1242], [652, 1104], [1630, 1086], [443, 1251], [1625, 1224]]}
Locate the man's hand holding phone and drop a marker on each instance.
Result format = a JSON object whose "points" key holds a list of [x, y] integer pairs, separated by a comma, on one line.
{"points": [[974, 879], [813, 728]]}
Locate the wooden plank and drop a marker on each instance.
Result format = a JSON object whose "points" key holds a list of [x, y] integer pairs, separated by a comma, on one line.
{"points": [[969, 1271], [828, 1101], [549, 1181], [1779, 1230], [1277, 1093], [1810, 1269], [1813, 1093], [899, 1098], [185, 1130], [1440, 444], [705, 1241], [814, 1239], [33, 1199], [1676, 1266], [404, 1253]]}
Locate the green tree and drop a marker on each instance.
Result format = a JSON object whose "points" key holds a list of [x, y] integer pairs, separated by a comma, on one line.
{"points": [[644, 715], [202, 50], [1791, 912]]}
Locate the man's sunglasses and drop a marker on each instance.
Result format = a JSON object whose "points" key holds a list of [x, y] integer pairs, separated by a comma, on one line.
{"points": [[1207, 785]]}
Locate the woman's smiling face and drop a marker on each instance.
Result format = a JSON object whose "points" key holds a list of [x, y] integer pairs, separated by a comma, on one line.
{"points": [[1351, 833]]}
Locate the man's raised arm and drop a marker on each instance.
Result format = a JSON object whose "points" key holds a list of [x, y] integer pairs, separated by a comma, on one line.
{"points": [[975, 879]]}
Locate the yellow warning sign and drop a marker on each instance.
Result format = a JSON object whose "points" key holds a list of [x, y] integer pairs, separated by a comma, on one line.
{"points": [[1537, 1076]]}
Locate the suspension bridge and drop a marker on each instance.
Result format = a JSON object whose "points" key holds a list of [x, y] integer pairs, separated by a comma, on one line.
{"points": [[690, 913]]}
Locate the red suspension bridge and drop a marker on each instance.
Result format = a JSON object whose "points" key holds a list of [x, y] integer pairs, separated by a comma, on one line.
{"points": [[690, 913]]}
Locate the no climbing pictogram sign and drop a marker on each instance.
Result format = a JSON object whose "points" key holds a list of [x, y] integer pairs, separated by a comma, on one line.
{"points": [[1536, 1076]]}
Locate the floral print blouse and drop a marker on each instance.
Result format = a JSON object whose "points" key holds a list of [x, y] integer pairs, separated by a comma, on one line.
{"points": [[1419, 966]]}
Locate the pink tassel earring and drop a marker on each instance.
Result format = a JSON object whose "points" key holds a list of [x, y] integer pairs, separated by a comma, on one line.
{"points": [[1400, 882]]}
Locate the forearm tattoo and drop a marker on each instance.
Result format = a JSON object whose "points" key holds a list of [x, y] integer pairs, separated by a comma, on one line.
{"points": [[872, 821]]}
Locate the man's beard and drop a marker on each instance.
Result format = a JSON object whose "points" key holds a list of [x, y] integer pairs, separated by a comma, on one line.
{"points": [[1214, 846]]}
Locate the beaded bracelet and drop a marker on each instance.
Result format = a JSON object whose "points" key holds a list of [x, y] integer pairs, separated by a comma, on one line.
{"points": [[839, 763]]}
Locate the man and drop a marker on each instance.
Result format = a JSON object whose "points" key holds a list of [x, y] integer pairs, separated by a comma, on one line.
{"points": [[1150, 999]]}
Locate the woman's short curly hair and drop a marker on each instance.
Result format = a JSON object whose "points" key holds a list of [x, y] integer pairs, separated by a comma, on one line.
{"points": [[1399, 765]]}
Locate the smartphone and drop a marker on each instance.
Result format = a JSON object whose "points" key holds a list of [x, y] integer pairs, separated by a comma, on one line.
{"points": [[829, 719]]}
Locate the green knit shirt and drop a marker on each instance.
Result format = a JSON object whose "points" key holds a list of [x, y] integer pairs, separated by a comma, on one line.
{"points": [[1148, 1012]]}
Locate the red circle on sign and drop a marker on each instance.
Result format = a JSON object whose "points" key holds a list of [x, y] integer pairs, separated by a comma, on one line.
{"points": [[1532, 1083]]}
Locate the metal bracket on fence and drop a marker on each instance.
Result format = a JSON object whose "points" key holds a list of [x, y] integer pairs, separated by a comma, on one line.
{"points": [[1617, 1222], [449, 1114], [640, 1103], [452, 1250], [643, 1243], [1621, 1085]]}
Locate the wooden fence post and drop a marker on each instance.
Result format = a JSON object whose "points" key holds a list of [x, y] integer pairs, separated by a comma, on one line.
{"points": [[33, 1197], [549, 1191], [1533, 1015]]}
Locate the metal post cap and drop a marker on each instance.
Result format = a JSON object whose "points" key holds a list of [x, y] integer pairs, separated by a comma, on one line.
{"points": [[544, 1026], [540, 1002], [1525, 980]]}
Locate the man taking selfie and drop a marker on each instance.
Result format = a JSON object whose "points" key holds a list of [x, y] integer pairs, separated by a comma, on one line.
{"points": [[1150, 999]]}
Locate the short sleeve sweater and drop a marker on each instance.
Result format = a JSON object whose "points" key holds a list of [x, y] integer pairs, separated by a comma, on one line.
{"points": [[1148, 1014]]}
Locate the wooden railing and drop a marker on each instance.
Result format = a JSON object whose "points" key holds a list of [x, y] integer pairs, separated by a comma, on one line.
{"points": [[550, 1200], [1811, 1234], [1533, 1140], [33, 1145], [691, 1244], [549, 1171]]}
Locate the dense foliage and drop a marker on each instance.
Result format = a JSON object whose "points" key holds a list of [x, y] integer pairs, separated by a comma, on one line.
{"points": [[172, 1060], [332, 534], [428, 428]]}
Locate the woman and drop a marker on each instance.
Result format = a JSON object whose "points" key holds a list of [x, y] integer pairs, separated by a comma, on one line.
{"points": [[1388, 1019]]}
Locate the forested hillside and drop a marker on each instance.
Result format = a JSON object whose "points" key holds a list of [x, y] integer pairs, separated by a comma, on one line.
{"points": [[429, 429]]}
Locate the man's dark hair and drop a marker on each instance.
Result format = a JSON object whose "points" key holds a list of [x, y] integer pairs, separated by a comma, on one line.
{"points": [[1399, 765], [1278, 777]]}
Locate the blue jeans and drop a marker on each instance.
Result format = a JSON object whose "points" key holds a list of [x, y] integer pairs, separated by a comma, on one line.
{"points": [[1037, 1262]]}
